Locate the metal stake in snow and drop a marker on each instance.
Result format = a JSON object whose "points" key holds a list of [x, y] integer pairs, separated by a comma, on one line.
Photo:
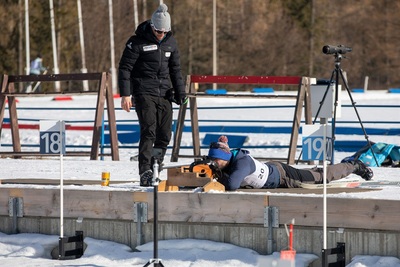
{"points": [[289, 254], [156, 172]]}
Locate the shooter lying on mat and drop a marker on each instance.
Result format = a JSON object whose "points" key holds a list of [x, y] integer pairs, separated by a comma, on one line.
{"points": [[236, 168]]}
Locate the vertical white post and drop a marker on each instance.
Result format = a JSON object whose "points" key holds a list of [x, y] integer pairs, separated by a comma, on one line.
{"points": [[366, 84], [215, 71], [113, 70], [28, 58], [53, 39], [135, 14], [61, 123], [323, 122], [61, 196], [82, 42]]}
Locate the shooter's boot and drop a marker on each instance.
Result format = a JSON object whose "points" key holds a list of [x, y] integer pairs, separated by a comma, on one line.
{"points": [[362, 170]]}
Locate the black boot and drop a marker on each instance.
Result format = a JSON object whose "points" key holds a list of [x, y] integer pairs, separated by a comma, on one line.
{"points": [[146, 178], [362, 170]]}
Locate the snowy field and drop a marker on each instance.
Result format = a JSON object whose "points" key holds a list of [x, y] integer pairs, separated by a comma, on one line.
{"points": [[31, 249]]}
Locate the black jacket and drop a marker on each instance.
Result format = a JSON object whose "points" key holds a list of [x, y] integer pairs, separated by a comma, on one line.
{"points": [[148, 66]]}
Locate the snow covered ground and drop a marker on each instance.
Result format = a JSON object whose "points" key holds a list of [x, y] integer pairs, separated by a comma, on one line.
{"points": [[32, 249]]}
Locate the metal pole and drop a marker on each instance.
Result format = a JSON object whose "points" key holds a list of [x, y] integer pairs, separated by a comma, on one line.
{"points": [[135, 14], [215, 71], [366, 84], [28, 58], [113, 70], [82, 43], [323, 122], [53, 39], [155, 225], [156, 261], [61, 144]]}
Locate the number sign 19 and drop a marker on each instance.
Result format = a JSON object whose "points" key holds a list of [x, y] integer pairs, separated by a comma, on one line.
{"points": [[313, 142], [52, 137]]}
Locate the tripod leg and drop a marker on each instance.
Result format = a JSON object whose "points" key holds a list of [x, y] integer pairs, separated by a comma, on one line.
{"points": [[156, 263], [320, 105], [358, 115], [148, 263], [337, 69]]}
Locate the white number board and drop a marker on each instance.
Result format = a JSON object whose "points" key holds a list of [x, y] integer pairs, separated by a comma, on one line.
{"points": [[313, 142], [52, 137]]}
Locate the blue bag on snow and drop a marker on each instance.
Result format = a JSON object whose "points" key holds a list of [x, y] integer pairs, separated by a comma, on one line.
{"points": [[381, 151], [384, 153]]}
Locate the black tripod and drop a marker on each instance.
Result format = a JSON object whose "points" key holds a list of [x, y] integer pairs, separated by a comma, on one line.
{"points": [[155, 260], [335, 75]]}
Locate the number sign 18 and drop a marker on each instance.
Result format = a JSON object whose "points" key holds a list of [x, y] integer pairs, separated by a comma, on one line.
{"points": [[52, 137]]}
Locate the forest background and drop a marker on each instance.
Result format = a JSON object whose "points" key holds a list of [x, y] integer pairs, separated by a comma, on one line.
{"points": [[254, 37]]}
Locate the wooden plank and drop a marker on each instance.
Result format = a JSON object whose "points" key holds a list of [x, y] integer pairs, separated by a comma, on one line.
{"points": [[246, 79], [194, 120], [77, 203], [39, 181], [188, 181], [212, 207], [172, 206], [51, 93], [185, 181], [236, 208], [98, 118], [301, 94], [231, 95], [304, 191], [177, 177], [341, 212], [38, 155], [112, 124], [184, 207], [54, 77], [179, 127], [12, 108], [3, 99]]}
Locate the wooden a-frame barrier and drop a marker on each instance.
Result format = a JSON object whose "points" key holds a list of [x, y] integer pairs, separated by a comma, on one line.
{"points": [[104, 93], [302, 99]]}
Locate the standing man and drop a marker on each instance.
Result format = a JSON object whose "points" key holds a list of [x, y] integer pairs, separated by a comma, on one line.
{"points": [[149, 65]]}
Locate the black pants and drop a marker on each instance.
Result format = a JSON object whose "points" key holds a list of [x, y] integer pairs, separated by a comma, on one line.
{"points": [[290, 177], [155, 119]]}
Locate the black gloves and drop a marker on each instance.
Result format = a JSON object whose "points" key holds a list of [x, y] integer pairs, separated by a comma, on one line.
{"points": [[180, 97], [177, 97]]}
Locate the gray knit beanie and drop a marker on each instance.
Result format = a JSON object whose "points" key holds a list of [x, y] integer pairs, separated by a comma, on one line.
{"points": [[161, 19]]}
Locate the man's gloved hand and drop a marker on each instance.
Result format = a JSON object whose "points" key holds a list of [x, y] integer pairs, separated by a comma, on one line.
{"points": [[180, 98]]}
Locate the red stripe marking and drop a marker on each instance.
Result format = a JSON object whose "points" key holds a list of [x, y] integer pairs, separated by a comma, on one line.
{"points": [[36, 127], [246, 79], [16, 100], [62, 98]]}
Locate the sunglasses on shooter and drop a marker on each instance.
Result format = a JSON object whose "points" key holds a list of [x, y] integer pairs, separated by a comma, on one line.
{"points": [[157, 31]]}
